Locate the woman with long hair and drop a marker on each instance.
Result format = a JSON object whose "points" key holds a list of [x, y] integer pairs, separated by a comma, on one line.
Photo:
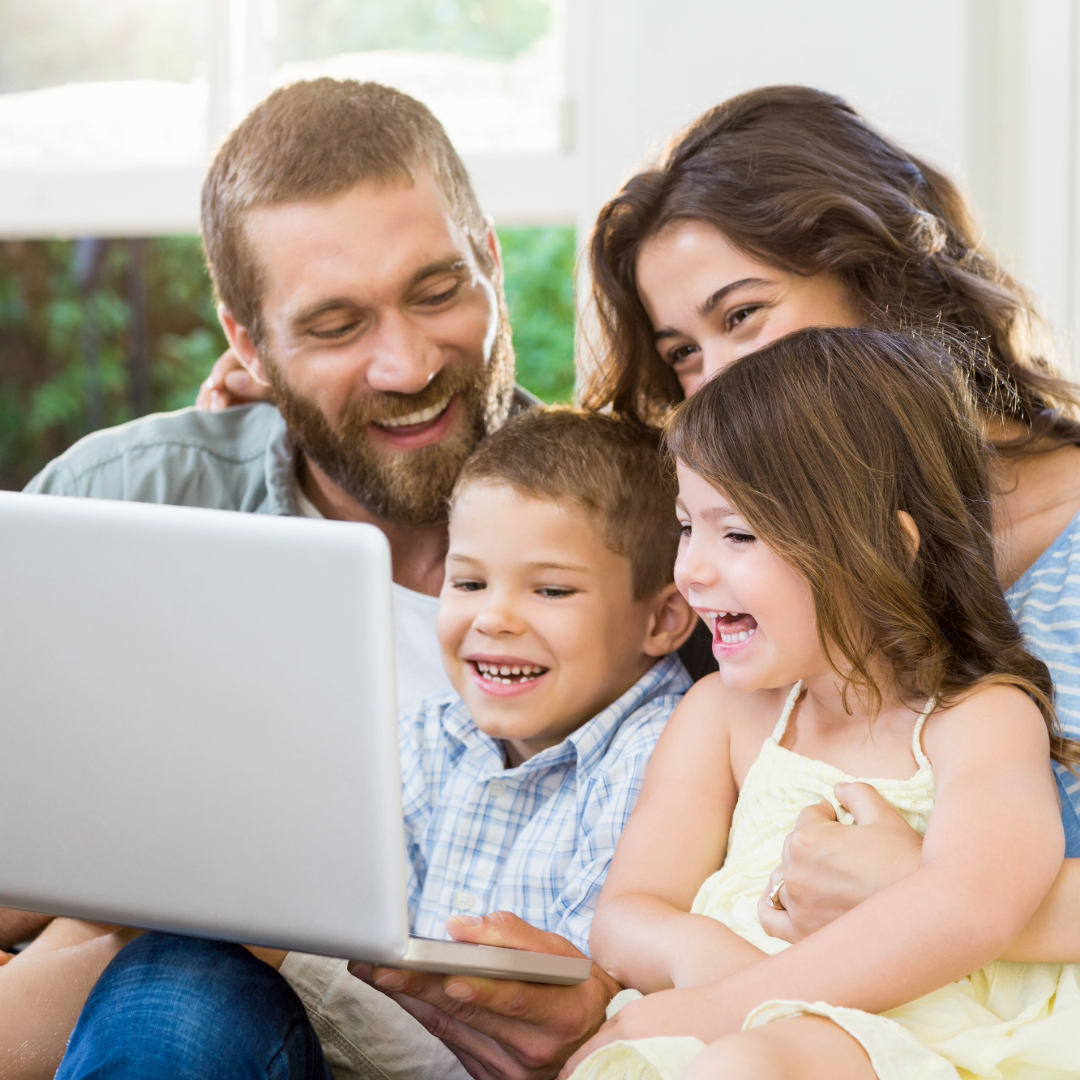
{"points": [[782, 209]]}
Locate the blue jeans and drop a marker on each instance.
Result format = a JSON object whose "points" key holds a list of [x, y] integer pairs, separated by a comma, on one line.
{"points": [[175, 1008]]}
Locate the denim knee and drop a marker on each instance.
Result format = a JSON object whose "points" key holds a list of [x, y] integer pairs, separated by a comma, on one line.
{"points": [[177, 1008]]}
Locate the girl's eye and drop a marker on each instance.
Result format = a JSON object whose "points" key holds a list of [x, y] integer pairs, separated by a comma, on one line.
{"points": [[555, 592], [740, 538], [337, 332], [684, 530], [469, 586], [740, 315]]}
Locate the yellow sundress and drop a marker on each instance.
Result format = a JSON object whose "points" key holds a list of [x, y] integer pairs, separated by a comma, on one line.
{"points": [[1006, 1022]]}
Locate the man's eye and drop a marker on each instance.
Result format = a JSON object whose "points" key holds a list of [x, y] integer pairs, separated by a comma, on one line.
{"points": [[442, 297], [740, 315], [555, 592], [336, 332], [469, 585]]}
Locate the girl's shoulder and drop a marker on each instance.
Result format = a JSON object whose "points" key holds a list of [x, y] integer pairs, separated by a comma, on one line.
{"points": [[744, 719]]}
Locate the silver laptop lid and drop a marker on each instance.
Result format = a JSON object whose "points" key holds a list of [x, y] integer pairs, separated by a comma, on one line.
{"points": [[197, 724]]}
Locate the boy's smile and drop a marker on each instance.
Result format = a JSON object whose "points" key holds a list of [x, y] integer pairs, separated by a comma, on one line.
{"points": [[537, 621]]}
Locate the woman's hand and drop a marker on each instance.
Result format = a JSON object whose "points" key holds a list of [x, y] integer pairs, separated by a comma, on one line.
{"points": [[829, 868], [228, 384]]}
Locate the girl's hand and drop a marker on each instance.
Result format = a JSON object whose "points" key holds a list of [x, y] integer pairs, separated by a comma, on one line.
{"points": [[668, 1012]]}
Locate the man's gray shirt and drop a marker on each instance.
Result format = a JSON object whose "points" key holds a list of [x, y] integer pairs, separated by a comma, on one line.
{"points": [[238, 459]]}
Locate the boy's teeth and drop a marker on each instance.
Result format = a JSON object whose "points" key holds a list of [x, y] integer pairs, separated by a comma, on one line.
{"points": [[501, 672], [421, 417]]}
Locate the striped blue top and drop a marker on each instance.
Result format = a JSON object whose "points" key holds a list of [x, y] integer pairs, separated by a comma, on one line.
{"points": [[537, 839], [1045, 602]]}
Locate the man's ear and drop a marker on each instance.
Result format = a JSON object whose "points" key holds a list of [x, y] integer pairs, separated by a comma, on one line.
{"points": [[494, 250], [911, 533], [242, 345], [671, 622]]}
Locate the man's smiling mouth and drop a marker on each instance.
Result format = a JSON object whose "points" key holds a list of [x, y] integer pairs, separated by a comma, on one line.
{"points": [[423, 416]]}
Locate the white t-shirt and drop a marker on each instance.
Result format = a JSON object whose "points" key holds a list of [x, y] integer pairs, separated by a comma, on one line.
{"points": [[420, 672]]}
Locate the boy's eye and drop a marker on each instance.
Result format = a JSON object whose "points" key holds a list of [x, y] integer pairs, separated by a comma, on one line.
{"points": [[468, 585], [555, 592]]}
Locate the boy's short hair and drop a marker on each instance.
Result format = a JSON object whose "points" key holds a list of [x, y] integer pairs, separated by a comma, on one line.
{"points": [[314, 140], [606, 466]]}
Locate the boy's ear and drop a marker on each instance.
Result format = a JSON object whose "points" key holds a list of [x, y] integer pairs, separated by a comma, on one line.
{"points": [[671, 622]]}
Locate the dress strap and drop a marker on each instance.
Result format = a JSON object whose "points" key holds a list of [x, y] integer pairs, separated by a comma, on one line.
{"points": [[916, 739], [785, 716]]}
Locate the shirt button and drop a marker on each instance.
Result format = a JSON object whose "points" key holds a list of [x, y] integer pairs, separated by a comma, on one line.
{"points": [[496, 788], [464, 901]]}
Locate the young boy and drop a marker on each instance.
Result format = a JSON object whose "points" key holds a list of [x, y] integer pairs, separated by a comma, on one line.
{"points": [[558, 623]]}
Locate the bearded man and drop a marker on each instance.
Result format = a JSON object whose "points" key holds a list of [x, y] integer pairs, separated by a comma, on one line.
{"points": [[360, 283]]}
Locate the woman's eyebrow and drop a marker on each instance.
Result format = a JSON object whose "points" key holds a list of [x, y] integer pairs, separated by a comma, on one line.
{"points": [[710, 304]]}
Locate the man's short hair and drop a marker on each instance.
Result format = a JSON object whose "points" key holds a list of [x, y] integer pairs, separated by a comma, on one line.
{"points": [[603, 465], [313, 140]]}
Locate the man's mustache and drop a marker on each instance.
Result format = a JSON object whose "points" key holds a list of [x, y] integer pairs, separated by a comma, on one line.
{"points": [[381, 406]]}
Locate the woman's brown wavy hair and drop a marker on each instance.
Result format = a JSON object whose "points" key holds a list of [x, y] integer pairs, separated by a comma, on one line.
{"points": [[797, 179], [871, 423]]}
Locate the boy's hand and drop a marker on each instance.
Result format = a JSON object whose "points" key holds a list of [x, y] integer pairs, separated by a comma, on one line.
{"points": [[500, 1029]]}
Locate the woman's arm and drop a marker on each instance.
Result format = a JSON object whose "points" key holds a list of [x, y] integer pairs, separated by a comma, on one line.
{"points": [[829, 868], [42, 992], [642, 931]]}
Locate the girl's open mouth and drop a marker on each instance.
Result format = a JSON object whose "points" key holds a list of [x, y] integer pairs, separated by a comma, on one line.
{"points": [[731, 629], [506, 675]]}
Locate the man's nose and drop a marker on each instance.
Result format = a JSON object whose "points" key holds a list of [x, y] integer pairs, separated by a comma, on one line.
{"points": [[402, 358]]}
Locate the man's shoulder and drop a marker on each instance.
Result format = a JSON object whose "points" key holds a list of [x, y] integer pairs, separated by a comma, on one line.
{"points": [[186, 457]]}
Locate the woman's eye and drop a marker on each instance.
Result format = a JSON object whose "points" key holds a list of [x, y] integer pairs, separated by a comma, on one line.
{"points": [[741, 538], [680, 355], [554, 592], [469, 586], [740, 315]]}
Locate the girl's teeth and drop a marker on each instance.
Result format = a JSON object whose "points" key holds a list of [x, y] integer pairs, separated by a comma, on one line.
{"points": [[734, 639]]}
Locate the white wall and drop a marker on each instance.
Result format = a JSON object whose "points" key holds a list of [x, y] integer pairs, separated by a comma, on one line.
{"points": [[988, 89]]}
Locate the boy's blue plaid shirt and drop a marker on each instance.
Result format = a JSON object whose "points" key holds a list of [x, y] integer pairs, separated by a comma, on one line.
{"points": [[536, 840]]}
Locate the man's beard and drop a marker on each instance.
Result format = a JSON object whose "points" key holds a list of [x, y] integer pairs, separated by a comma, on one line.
{"points": [[402, 487]]}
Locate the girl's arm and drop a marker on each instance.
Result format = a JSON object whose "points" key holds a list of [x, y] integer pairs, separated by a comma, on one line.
{"points": [[42, 992], [676, 837], [993, 849]]}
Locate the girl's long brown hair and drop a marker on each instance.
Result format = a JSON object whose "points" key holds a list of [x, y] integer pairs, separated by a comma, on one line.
{"points": [[820, 440], [797, 179]]}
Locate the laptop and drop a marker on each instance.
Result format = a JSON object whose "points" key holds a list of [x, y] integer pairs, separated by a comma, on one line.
{"points": [[199, 734]]}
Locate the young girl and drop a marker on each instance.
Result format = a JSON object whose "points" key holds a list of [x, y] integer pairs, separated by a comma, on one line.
{"points": [[836, 536]]}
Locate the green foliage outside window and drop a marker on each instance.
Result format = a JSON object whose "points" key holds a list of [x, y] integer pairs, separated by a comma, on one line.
{"points": [[67, 334]]}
